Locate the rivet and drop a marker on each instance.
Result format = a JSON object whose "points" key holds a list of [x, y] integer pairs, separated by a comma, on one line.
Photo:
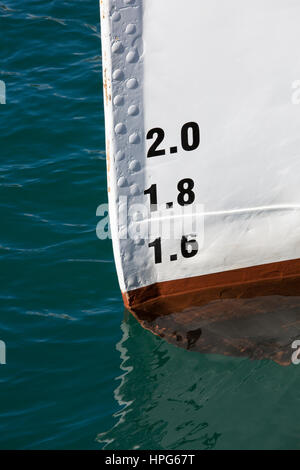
{"points": [[134, 190], [132, 83], [134, 138], [132, 56], [139, 241], [118, 100], [117, 47], [116, 16], [133, 110], [120, 128], [134, 165], [120, 155], [118, 75], [131, 29], [122, 182]]}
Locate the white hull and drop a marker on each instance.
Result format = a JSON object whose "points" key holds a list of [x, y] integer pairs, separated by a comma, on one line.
{"points": [[229, 71]]}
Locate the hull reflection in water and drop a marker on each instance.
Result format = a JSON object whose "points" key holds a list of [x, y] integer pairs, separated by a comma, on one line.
{"points": [[257, 328], [170, 398]]}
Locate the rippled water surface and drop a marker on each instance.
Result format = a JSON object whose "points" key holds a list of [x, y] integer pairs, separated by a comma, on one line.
{"points": [[79, 373]]}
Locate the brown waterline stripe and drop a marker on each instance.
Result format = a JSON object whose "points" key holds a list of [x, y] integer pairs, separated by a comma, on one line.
{"points": [[279, 278]]}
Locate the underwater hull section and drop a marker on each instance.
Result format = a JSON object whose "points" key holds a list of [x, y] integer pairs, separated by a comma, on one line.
{"points": [[255, 328]]}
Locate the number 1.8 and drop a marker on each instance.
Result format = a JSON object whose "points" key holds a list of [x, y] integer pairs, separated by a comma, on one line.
{"points": [[185, 197]]}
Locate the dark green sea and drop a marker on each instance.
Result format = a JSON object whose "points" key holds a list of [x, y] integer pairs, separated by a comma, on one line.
{"points": [[80, 373]]}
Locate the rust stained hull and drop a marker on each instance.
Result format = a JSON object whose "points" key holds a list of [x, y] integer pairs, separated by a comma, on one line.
{"points": [[252, 312]]}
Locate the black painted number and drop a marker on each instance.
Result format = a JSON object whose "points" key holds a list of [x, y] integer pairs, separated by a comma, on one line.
{"points": [[152, 191], [186, 194], [189, 247], [153, 152], [185, 197], [190, 140], [190, 136], [157, 250]]}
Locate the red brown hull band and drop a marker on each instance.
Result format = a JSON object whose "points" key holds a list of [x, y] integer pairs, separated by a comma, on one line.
{"points": [[252, 312]]}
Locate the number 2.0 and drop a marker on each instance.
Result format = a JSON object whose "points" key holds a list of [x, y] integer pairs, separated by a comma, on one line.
{"points": [[190, 139]]}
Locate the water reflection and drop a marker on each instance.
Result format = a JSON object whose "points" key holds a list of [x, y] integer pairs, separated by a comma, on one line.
{"points": [[170, 398]]}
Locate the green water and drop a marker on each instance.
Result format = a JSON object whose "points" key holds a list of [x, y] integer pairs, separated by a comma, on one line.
{"points": [[80, 375]]}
